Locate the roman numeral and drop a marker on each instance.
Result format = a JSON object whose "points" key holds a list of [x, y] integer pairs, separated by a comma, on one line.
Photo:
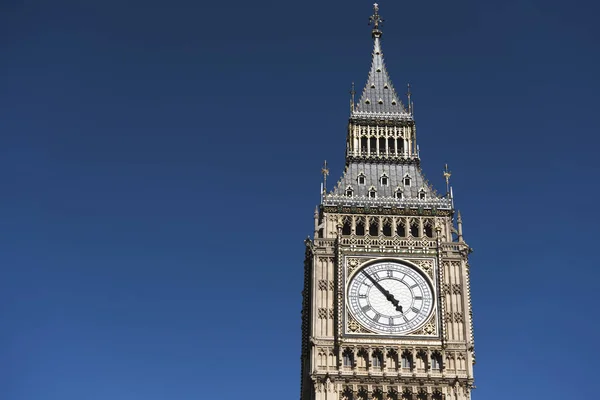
{"points": [[390, 273], [418, 297], [366, 308], [362, 296], [415, 310], [376, 317], [414, 286]]}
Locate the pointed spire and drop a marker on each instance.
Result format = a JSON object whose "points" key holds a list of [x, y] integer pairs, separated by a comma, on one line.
{"points": [[460, 228], [379, 96]]}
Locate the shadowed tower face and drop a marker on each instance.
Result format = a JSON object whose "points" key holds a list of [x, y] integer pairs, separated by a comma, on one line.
{"points": [[386, 310]]}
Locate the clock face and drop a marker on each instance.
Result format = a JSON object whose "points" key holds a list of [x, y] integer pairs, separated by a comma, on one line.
{"points": [[390, 298]]}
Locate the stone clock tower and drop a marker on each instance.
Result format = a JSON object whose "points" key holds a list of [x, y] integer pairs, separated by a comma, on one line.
{"points": [[386, 310]]}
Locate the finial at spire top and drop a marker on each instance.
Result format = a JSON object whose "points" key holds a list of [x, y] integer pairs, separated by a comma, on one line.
{"points": [[325, 172], [352, 93], [408, 94], [376, 21], [447, 175]]}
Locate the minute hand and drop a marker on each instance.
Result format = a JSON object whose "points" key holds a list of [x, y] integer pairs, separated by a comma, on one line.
{"points": [[386, 293]]}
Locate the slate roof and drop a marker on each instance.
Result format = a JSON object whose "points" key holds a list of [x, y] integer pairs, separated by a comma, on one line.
{"points": [[385, 193], [379, 95]]}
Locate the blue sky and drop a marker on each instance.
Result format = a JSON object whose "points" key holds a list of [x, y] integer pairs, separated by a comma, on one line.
{"points": [[160, 164]]}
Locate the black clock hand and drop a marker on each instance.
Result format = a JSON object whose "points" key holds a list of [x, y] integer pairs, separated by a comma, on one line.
{"points": [[387, 294]]}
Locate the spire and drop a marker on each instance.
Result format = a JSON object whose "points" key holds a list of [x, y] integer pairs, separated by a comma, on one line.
{"points": [[379, 95]]}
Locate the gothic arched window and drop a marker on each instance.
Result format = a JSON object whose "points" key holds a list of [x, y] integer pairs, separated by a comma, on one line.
{"points": [[377, 360], [406, 361], [400, 145], [406, 180], [381, 145], [373, 227], [398, 193], [436, 362], [349, 191], [422, 194], [401, 229], [347, 227], [414, 228], [360, 227], [428, 228], [373, 145], [347, 357], [387, 227]]}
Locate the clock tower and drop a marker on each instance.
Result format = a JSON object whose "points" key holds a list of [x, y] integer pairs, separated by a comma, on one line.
{"points": [[386, 311]]}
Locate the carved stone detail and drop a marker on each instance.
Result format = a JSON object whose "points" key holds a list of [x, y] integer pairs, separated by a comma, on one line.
{"points": [[354, 326], [429, 329], [353, 263], [425, 265]]}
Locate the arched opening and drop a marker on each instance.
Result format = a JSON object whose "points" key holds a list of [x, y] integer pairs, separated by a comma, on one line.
{"points": [[360, 227], [406, 361], [422, 194], [363, 145], [421, 361], [414, 229], [362, 360], [347, 227], [373, 145], [373, 228], [392, 360], [436, 362], [347, 359], [401, 229], [381, 146], [377, 394], [428, 229], [400, 145], [387, 228], [347, 394], [377, 360]]}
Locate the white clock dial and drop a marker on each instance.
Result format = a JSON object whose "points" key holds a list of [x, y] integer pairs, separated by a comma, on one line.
{"points": [[390, 298]]}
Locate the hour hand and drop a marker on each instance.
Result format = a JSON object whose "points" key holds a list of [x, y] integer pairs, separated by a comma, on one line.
{"points": [[390, 297]]}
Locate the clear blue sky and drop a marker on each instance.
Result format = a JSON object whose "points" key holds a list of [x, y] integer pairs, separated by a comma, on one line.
{"points": [[160, 164]]}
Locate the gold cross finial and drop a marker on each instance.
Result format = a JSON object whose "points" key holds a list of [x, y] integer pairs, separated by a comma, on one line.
{"points": [[447, 175], [352, 93], [325, 172], [376, 21]]}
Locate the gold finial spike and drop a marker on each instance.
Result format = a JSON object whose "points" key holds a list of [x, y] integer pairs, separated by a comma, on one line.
{"points": [[352, 93], [325, 172], [376, 21], [408, 94], [447, 175]]}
